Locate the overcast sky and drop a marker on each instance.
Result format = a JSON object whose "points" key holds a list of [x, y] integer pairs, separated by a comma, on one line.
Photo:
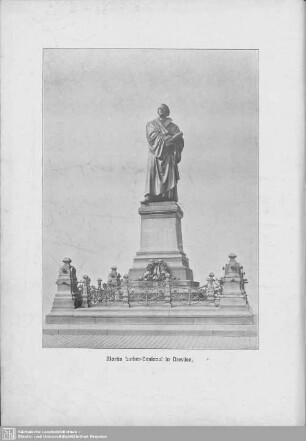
{"points": [[96, 106]]}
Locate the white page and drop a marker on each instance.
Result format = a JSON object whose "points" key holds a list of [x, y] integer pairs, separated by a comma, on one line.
{"points": [[69, 386]]}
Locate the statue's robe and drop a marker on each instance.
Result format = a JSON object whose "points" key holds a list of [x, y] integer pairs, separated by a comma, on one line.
{"points": [[162, 169]]}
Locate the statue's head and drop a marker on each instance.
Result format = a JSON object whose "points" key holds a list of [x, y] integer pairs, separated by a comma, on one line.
{"points": [[163, 111]]}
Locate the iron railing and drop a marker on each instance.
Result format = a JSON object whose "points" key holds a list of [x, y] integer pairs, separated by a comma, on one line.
{"points": [[147, 293]]}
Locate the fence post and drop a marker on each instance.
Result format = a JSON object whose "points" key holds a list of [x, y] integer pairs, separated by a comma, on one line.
{"points": [[85, 292], [117, 294], [125, 290], [64, 296], [168, 290], [211, 288], [217, 299]]}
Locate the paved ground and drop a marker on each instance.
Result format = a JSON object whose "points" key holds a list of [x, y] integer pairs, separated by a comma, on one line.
{"points": [[148, 341]]}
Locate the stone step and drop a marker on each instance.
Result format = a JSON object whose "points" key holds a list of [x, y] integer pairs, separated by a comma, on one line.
{"points": [[63, 304], [204, 330], [151, 316]]}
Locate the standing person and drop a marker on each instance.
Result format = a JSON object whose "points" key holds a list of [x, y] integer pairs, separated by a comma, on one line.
{"points": [[166, 143]]}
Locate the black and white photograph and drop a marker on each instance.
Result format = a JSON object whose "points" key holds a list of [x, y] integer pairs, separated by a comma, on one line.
{"points": [[150, 198]]}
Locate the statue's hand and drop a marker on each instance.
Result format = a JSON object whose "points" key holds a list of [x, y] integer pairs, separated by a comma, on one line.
{"points": [[170, 143], [174, 138]]}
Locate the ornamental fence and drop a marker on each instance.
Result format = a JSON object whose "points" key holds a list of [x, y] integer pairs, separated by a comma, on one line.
{"points": [[133, 293]]}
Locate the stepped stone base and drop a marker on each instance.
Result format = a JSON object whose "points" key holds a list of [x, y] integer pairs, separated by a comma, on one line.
{"points": [[153, 330], [62, 300], [156, 315], [161, 238]]}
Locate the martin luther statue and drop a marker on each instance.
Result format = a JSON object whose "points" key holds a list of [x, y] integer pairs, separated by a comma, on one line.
{"points": [[165, 141]]}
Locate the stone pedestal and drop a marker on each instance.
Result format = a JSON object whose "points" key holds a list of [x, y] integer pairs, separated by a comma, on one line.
{"points": [[233, 281], [63, 298], [161, 238]]}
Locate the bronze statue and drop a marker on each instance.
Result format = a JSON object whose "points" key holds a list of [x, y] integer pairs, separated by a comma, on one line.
{"points": [[166, 143]]}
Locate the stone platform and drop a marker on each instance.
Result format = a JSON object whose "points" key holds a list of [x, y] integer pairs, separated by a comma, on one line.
{"points": [[152, 316], [162, 330], [166, 306], [161, 238], [106, 330]]}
